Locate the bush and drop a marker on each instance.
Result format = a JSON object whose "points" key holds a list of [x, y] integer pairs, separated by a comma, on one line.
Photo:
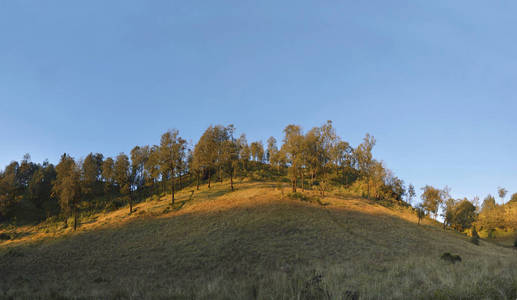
{"points": [[515, 243], [450, 257]]}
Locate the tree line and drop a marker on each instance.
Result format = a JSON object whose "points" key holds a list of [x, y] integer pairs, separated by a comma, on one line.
{"points": [[317, 160], [463, 214]]}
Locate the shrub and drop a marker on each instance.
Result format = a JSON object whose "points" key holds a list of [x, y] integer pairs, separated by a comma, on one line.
{"points": [[515, 243], [450, 257]]}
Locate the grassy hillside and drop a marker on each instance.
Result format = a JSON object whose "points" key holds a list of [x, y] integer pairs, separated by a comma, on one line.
{"points": [[255, 242]]}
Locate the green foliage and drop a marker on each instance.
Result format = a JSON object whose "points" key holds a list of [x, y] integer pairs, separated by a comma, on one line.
{"points": [[432, 198], [317, 160]]}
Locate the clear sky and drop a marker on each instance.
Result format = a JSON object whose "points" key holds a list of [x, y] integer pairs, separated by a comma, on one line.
{"points": [[434, 81]]}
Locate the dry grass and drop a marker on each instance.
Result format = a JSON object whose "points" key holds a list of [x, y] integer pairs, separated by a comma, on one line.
{"points": [[253, 243]]}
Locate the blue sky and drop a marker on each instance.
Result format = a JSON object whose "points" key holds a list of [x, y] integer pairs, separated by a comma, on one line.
{"points": [[433, 81]]}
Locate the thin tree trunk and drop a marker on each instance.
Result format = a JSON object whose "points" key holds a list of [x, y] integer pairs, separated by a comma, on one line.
{"points": [[303, 186], [208, 178], [231, 180], [197, 181], [368, 184], [173, 183], [130, 202], [75, 218]]}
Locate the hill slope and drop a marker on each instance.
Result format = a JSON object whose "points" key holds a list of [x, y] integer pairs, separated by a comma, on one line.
{"points": [[253, 243]]}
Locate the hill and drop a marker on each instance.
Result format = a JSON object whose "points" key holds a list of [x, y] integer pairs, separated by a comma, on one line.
{"points": [[256, 242]]}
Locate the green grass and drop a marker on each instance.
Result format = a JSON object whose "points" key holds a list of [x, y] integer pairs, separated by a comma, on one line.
{"points": [[256, 242]]}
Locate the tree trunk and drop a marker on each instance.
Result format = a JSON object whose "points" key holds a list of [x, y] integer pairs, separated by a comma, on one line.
{"points": [[231, 180], [303, 186], [75, 218], [197, 181], [180, 182], [208, 178], [130, 202], [368, 184], [173, 183]]}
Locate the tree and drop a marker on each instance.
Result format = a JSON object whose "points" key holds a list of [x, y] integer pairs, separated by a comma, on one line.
{"points": [[139, 157], [172, 153], [67, 186], [502, 193], [10, 189], [432, 198], [152, 167], [40, 188], [91, 171], [257, 151], [464, 215], [230, 154], [108, 174], [448, 212], [293, 147], [365, 160], [271, 151], [122, 175], [491, 215], [244, 153], [205, 155], [410, 193]]}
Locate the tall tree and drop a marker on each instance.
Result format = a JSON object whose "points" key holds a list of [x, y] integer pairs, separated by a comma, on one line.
{"points": [[230, 153], [91, 171], [152, 168], [40, 187], [271, 151], [365, 160], [205, 154], [139, 157], [122, 175], [293, 147], [172, 153], [244, 152], [108, 174], [10, 188], [67, 187], [411, 193], [257, 151]]}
